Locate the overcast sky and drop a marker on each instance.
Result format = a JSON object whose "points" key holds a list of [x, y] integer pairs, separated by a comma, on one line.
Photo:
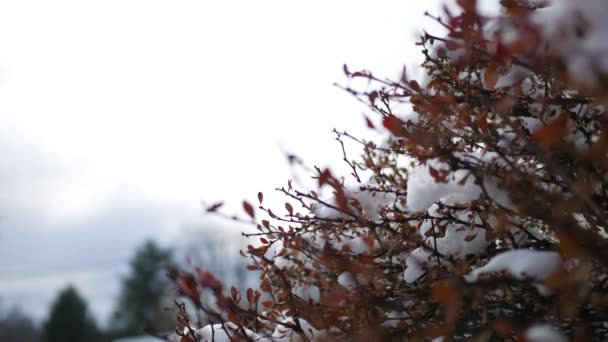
{"points": [[117, 117]]}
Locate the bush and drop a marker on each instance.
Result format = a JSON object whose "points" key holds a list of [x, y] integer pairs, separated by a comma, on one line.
{"points": [[482, 215]]}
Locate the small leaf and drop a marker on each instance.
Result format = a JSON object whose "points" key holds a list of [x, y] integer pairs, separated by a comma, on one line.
{"points": [[483, 121], [267, 303], [250, 295], [248, 209], [436, 174], [265, 286], [342, 200], [271, 214], [289, 208], [214, 207], [368, 240], [234, 293], [372, 96], [260, 197], [464, 179], [414, 85], [404, 75], [369, 123], [324, 177]]}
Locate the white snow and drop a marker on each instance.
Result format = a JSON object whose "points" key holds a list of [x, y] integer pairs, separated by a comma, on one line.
{"points": [[530, 124], [521, 264], [347, 280], [311, 292], [285, 334], [394, 317], [439, 49], [515, 75], [544, 333], [139, 339], [577, 30], [215, 333], [423, 190], [415, 265], [358, 245]]}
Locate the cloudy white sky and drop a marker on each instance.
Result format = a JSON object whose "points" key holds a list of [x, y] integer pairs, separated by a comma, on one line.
{"points": [[117, 117]]}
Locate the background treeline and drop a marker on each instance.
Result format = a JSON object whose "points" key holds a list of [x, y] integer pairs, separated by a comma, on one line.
{"points": [[144, 305]]}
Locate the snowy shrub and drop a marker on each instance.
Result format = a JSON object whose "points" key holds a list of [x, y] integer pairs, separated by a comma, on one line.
{"points": [[481, 215]]}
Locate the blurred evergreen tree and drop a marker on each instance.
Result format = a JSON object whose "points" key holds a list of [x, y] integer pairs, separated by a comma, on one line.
{"points": [[16, 326], [141, 307], [69, 320]]}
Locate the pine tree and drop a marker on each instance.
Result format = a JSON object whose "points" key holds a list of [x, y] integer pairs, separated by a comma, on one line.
{"points": [[16, 326], [141, 305], [69, 320]]}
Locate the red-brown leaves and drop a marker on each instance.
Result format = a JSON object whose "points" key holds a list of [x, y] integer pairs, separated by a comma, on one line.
{"points": [[490, 76], [356, 258], [208, 280], [552, 133], [187, 286], [265, 286], [325, 177], [517, 8], [235, 295], [501, 52], [468, 5], [394, 125], [450, 297], [482, 122]]}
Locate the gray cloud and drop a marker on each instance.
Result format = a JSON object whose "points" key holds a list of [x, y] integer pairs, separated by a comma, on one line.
{"points": [[40, 254]]}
